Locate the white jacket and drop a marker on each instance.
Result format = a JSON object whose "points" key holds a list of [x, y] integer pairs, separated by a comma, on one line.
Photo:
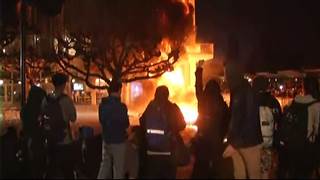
{"points": [[313, 115]]}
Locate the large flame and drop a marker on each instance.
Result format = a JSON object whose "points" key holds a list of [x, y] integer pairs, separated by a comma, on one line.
{"points": [[175, 81], [181, 79], [190, 113]]}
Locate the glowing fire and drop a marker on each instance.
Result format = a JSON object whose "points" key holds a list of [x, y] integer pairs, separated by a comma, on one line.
{"points": [[175, 81], [189, 112], [181, 80]]}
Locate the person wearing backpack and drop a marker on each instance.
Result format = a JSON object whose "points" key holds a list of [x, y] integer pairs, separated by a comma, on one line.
{"points": [[161, 123], [58, 114], [244, 136], [299, 130], [114, 120], [270, 115]]}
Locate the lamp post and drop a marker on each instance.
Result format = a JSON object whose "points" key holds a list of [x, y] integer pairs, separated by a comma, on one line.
{"points": [[22, 51]]}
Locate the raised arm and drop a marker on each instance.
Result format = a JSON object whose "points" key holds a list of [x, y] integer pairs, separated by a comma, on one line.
{"points": [[199, 84]]}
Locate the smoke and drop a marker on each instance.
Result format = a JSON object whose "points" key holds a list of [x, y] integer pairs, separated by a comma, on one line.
{"points": [[140, 20]]}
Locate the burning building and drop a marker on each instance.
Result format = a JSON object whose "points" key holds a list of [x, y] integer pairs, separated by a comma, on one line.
{"points": [[180, 80], [82, 49]]}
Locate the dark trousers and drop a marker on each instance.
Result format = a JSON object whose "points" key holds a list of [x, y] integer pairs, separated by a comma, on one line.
{"points": [[36, 157], [159, 167], [62, 161], [209, 162], [297, 163]]}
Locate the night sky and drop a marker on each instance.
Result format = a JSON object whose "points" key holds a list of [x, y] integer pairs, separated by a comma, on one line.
{"points": [[272, 34]]}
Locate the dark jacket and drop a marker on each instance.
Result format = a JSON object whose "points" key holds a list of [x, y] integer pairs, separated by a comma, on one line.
{"points": [[245, 130], [113, 117], [31, 111], [214, 114], [176, 119]]}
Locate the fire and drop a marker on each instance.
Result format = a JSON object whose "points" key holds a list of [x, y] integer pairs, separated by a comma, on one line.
{"points": [[189, 112], [175, 81], [181, 79]]}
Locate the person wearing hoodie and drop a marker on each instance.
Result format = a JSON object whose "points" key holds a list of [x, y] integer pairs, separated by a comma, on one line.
{"points": [[114, 120], [270, 115], [302, 160], [30, 120], [213, 121], [161, 123], [244, 136]]}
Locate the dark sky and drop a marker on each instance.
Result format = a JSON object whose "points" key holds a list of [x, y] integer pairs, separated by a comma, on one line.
{"points": [[272, 34]]}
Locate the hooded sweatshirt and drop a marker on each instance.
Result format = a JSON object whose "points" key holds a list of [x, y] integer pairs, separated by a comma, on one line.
{"points": [[313, 115], [245, 129], [113, 117]]}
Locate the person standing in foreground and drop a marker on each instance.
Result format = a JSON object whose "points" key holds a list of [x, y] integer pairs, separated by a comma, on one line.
{"points": [[29, 116], [161, 123], [61, 148], [113, 117], [299, 133], [213, 121], [244, 136], [270, 115]]}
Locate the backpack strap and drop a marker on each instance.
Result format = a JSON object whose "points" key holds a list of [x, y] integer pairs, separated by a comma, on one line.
{"points": [[58, 99], [312, 134], [61, 96]]}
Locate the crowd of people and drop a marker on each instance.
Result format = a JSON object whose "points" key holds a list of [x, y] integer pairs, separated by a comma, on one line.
{"points": [[252, 138]]}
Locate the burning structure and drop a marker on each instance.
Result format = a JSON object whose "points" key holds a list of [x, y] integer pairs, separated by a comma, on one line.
{"points": [[138, 42], [180, 79]]}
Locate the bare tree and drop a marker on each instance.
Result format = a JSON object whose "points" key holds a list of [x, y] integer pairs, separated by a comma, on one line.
{"points": [[121, 60], [122, 40], [36, 66]]}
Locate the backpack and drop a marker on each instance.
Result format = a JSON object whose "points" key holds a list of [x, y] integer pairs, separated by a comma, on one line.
{"points": [[51, 120], [267, 125], [294, 126], [158, 131]]}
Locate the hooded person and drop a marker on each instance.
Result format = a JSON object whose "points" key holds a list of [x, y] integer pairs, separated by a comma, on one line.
{"points": [[30, 119], [212, 122], [161, 122], [244, 135], [270, 115]]}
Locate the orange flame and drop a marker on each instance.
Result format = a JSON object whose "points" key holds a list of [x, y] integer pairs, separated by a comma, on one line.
{"points": [[175, 81]]}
